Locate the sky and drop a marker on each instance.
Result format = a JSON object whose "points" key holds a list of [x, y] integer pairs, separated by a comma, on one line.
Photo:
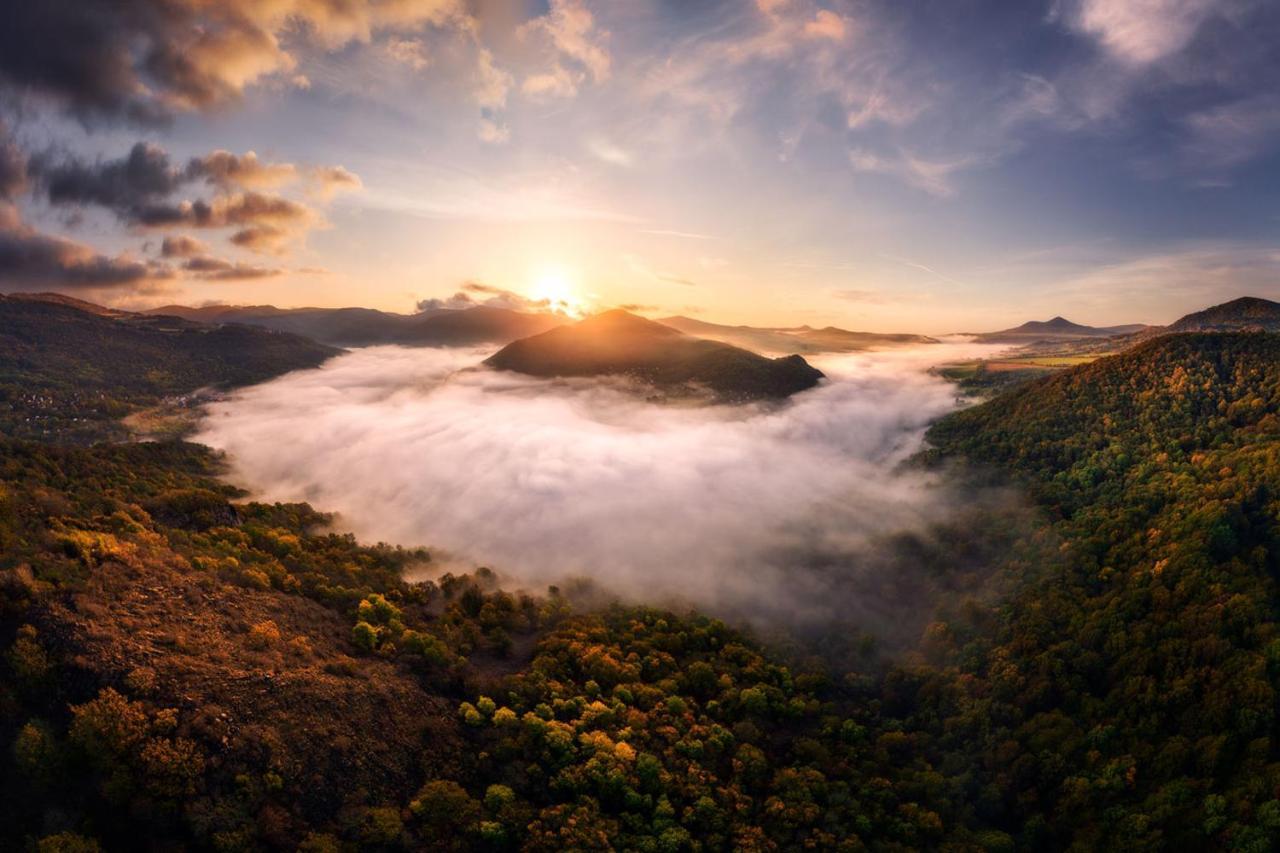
{"points": [[885, 165]]}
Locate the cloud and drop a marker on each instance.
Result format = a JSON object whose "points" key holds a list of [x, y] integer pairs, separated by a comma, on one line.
{"points": [[932, 176], [29, 258], [458, 302], [331, 180], [217, 269], [1162, 286], [607, 151], [182, 246], [493, 131], [13, 167], [226, 170], [407, 51], [139, 188], [684, 235], [493, 83], [559, 82], [547, 479], [867, 297], [263, 239], [826, 25], [497, 297], [1225, 136], [474, 293], [143, 60], [1138, 32], [127, 186], [571, 29], [237, 209]]}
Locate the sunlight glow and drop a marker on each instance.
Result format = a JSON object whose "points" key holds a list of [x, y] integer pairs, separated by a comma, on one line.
{"points": [[556, 288]]}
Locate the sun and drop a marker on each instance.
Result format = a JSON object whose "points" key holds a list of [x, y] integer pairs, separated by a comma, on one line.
{"points": [[556, 288]]}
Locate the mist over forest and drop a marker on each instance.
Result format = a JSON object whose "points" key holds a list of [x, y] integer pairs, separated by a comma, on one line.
{"points": [[547, 480]]}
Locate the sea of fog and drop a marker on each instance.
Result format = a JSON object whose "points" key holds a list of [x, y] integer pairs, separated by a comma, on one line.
{"points": [[548, 479]]}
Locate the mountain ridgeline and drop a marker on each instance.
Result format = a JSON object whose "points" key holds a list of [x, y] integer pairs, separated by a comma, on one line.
{"points": [[617, 343], [367, 327], [1057, 329], [801, 339]]}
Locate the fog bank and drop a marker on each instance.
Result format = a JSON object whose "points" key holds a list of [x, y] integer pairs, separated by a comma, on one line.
{"points": [[547, 479]]}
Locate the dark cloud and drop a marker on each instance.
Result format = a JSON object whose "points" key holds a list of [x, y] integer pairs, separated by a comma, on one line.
{"points": [[475, 293], [182, 246], [260, 238], [456, 302], [139, 190], [31, 259], [226, 170], [217, 269], [13, 166], [132, 187], [143, 60]]}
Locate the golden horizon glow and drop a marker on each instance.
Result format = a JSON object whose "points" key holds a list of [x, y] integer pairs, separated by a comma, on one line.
{"points": [[557, 288]]}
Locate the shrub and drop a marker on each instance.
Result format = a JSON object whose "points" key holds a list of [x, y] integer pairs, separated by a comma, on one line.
{"points": [[264, 635]]}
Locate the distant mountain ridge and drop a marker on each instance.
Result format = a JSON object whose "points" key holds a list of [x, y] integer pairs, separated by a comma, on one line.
{"points": [[1059, 328], [799, 339], [619, 343], [368, 326]]}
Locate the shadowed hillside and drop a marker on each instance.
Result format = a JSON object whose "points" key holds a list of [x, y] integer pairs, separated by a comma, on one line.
{"points": [[618, 343], [67, 368]]}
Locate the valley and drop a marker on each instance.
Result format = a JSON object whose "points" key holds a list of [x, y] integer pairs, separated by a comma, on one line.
{"points": [[149, 597]]}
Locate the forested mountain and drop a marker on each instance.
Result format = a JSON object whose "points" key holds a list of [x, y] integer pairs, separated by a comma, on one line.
{"points": [[1128, 699], [801, 339], [365, 326], [67, 367], [619, 343], [1246, 314]]}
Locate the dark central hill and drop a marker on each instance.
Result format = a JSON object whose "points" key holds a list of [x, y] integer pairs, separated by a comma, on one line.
{"points": [[67, 367], [619, 343], [367, 327], [1057, 329]]}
